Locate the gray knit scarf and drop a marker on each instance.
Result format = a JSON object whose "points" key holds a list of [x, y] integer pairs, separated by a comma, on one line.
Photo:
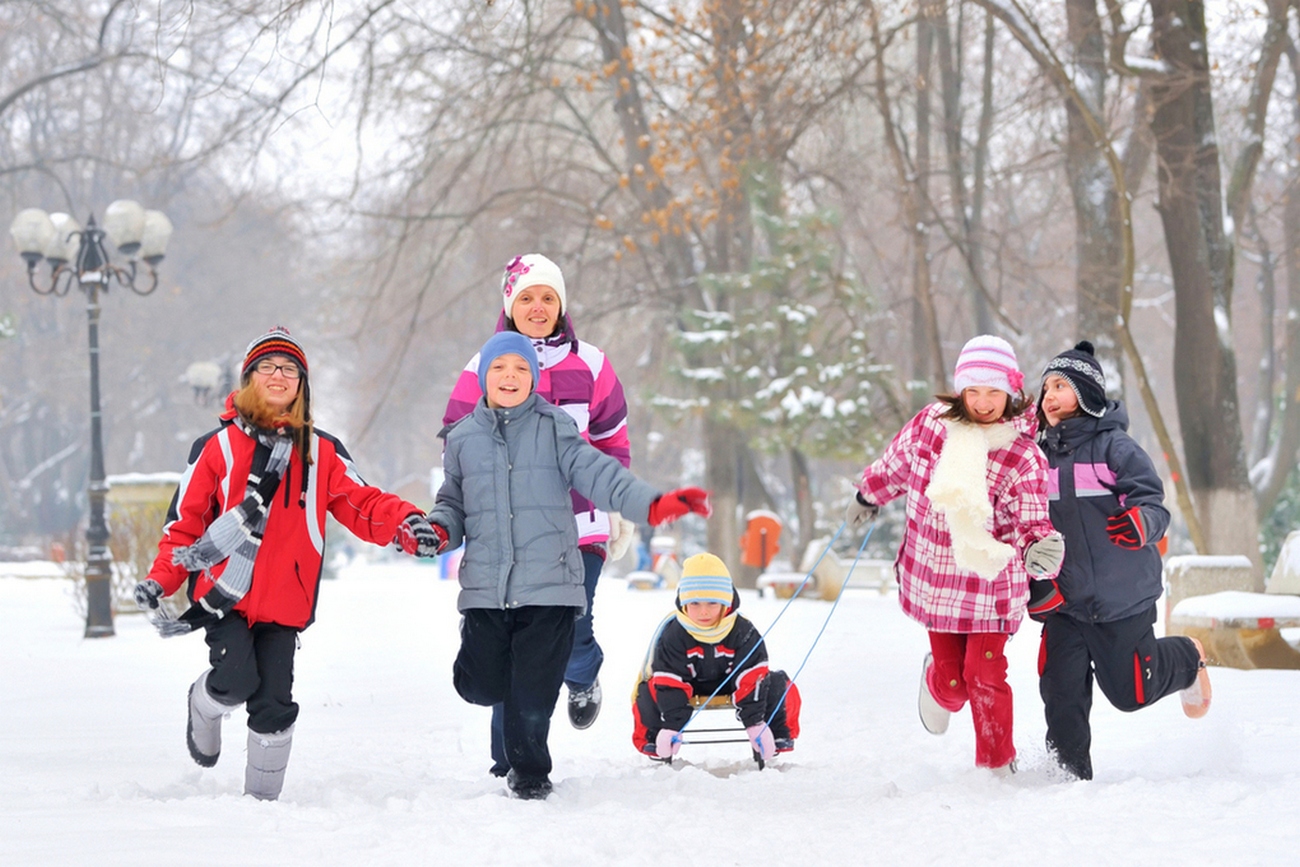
{"points": [[236, 536]]}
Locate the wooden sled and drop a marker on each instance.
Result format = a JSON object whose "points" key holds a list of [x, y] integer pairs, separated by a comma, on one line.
{"points": [[721, 734]]}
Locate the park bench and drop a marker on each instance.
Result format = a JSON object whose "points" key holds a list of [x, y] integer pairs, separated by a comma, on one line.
{"points": [[1217, 600]]}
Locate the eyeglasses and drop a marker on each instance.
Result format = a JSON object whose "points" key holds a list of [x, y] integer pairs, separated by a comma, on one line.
{"points": [[267, 367]]}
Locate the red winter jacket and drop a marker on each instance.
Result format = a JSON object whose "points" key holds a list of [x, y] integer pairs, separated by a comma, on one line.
{"points": [[286, 574]]}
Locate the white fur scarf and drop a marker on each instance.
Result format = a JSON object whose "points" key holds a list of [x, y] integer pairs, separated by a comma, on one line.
{"points": [[959, 491]]}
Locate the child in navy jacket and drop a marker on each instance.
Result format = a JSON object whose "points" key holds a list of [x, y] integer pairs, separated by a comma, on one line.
{"points": [[1107, 500], [703, 647]]}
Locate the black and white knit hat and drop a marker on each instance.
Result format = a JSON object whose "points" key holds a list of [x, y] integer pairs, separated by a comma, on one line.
{"points": [[1079, 367]]}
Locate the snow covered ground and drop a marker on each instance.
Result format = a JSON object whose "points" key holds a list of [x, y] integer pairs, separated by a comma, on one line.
{"points": [[390, 767]]}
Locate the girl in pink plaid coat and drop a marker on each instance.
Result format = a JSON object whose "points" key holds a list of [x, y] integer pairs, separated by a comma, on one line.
{"points": [[977, 527]]}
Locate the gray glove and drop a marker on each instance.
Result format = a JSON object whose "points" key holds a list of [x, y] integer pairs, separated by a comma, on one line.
{"points": [[859, 512], [147, 594], [1045, 555]]}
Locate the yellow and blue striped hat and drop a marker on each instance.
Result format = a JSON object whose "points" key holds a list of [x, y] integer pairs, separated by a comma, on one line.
{"points": [[705, 579]]}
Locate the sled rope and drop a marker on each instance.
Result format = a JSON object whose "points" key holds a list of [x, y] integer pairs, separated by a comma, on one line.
{"points": [[838, 596], [763, 636]]}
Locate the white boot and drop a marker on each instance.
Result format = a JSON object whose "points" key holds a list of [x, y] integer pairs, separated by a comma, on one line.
{"points": [[268, 756], [933, 715], [203, 725]]}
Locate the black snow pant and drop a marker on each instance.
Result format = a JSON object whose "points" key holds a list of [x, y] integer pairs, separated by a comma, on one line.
{"points": [[1133, 668], [254, 664], [517, 657]]}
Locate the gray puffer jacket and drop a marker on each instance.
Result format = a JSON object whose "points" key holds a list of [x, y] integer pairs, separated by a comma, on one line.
{"points": [[506, 495]]}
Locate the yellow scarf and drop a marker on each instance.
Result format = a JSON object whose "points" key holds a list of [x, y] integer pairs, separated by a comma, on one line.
{"points": [[707, 634]]}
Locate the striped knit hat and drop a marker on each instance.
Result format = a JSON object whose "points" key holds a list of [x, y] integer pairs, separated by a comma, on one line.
{"points": [[705, 579], [531, 269], [988, 361], [277, 341]]}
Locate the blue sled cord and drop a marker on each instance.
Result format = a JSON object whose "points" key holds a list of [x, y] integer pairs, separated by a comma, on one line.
{"points": [[762, 638], [825, 623]]}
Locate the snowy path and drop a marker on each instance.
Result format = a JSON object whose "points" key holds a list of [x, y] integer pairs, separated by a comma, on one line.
{"points": [[390, 766]]}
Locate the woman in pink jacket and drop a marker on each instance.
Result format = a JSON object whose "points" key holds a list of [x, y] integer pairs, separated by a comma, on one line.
{"points": [[977, 527]]}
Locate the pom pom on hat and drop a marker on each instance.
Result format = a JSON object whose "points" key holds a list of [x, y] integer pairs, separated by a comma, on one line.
{"points": [[988, 361], [705, 578], [506, 343], [277, 341], [1080, 368], [531, 269]]}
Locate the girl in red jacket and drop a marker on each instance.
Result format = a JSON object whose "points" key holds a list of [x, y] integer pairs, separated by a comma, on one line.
{"points": [[265, 474], [977, 527]]}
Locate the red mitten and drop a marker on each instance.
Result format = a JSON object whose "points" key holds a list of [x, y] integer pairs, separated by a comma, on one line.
{"points": [[679, 502], [1127, 529]]}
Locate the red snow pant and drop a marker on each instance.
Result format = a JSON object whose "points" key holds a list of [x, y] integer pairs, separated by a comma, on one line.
{"points": [[973, 667]]}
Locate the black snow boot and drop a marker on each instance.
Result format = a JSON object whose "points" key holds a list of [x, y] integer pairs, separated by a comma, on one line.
{"points": [[584, 705], [528, 788]]}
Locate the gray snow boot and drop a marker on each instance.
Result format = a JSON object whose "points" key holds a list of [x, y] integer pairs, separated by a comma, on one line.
{"points": [[268, 756], [203, 724]]}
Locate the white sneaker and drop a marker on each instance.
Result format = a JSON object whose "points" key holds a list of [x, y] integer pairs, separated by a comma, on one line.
{"points": [[1005, 771], [933, 716], [1196, 698]]}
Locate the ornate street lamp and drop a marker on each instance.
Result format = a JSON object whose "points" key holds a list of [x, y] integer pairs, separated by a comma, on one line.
{"points": [[77, 255]]}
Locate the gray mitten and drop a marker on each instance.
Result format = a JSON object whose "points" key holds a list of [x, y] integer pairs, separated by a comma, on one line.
{"points": [[1045, 555]]}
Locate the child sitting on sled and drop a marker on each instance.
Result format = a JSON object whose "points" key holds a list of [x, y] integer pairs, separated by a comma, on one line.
{"points": [[703, 647]]}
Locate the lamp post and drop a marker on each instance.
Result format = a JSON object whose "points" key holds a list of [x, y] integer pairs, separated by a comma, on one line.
{"points": [[77, 255]]}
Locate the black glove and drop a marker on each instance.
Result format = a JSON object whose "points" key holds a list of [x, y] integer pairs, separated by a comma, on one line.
{"points": [[859, 512], [1128, 529], [148, 593], [1044, 598]]}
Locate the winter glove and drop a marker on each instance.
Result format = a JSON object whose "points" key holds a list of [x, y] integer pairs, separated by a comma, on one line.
{"points": [[1044, 598], [760, 738], [148, 593], [1128, 529], [417, 537], [621, 534], [679, 502], [859, 512], [195, 617], [1045, 555], [667, 743]]}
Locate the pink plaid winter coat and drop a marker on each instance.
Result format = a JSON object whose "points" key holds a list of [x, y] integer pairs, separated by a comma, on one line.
{"points": [[933, 589]]}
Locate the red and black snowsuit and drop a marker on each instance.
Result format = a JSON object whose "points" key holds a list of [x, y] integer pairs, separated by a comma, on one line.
{"points": [[681, 666]]}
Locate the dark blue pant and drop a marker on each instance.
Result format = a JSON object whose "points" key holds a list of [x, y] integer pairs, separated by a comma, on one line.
{"points": [[584, 661], [516, 658], [254, 665], [1133, 668]]}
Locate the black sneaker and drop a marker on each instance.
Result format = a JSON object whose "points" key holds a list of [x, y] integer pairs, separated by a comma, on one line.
{"points": [[784, 745], [584, 706], [528, 788]]}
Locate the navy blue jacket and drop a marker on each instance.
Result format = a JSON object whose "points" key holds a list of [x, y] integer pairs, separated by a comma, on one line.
{"points": [[1097, 470]]}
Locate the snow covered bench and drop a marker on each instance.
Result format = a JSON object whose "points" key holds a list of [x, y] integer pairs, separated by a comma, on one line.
{"points": [[1213, 600], [829, 575]]}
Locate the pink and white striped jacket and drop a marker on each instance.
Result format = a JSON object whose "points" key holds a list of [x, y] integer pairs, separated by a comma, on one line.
{"points": [[578, 378], [932, 588]]}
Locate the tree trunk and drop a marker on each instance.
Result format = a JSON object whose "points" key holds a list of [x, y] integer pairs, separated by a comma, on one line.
{"points": [[724, 444], [803, 507], [925, 325], [1098, 244], [1191, 210]]}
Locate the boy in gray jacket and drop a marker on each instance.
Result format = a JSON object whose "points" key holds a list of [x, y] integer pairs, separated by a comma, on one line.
{"points": [[509, 467]]}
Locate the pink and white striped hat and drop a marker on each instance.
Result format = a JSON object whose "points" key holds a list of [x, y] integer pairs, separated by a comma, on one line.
{"points": [[988, 361]]}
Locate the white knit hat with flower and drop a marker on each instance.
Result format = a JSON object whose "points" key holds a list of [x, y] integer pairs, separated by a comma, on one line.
{"points": [[988, 361], [531, 269]]}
